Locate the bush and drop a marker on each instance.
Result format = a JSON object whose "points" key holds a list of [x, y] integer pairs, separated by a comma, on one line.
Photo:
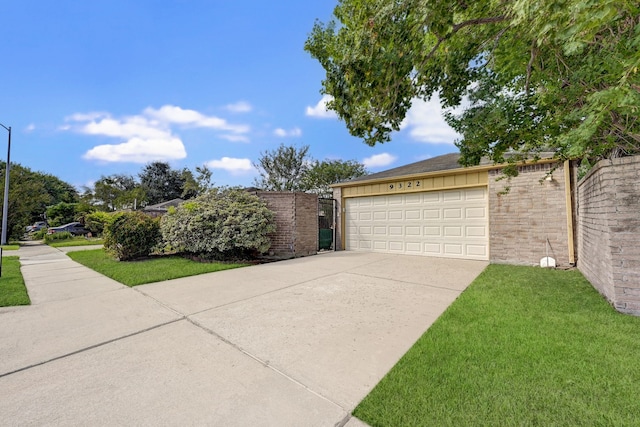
{"points": [[96, 222], [65, 235], [131, 235], [221, 224], [40, 234]]}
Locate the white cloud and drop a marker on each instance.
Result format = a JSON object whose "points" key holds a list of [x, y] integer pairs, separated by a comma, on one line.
{"points": [[232, 165], [148, 136], [239, 107], [320, 109], [425, 123], [138, 150], [30, 128], [379, 160], [235, 138], [173, 114], [282, 133]]}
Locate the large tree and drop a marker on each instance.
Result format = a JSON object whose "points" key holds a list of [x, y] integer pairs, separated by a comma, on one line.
{"points": [[283, 169], [29, 195], [537, 74], [161, 183], [117, 191], [321, 174]]}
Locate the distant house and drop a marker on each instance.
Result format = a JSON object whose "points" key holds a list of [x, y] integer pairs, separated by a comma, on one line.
{"points": [[162, 208]]}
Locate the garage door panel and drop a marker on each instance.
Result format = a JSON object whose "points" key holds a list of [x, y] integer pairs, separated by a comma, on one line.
{"points": [[451, 223], [452, 196], [452, 213], [430, 214], [412, 214]]}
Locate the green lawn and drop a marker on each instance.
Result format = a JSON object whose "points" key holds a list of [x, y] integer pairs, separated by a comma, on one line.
{"points": [[134, 273], [76, 241], [10, 247], [522, 346], [12, 289]]}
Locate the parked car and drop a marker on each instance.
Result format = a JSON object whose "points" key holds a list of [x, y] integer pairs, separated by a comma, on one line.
{"points": [[75, 228], [37, 226]]}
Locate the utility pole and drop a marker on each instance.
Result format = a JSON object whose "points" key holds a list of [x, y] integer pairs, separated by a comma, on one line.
{"points": [[5, 204]]}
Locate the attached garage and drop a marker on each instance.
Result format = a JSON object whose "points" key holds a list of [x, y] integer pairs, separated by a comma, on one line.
{"points": [[450, 223], [435, 207]]}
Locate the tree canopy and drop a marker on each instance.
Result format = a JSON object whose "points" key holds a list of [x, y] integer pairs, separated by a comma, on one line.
{"points": [[530, 75], [292, 169], [30, 193]]}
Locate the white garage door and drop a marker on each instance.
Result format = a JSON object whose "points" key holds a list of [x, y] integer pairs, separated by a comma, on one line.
{"points": [[451, 223]]}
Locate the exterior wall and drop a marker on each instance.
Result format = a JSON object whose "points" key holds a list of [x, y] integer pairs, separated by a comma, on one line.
{"points": [[337, 195], [416, 184], [609, 231], [531, 211], [296, 217]]}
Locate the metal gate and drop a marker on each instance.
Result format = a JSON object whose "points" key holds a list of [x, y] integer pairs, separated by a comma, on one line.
{"points": [[326, 224]]}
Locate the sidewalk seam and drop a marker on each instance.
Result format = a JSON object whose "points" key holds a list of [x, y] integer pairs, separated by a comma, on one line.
{"points": [[91, 347]]}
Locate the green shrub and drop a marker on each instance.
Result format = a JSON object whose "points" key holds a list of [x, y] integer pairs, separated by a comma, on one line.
{"points": [[221, 224], [96, 222], [48, 238], [131, 235], [40, 234]]}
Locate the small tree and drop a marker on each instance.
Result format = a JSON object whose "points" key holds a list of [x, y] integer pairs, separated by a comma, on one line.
{"points": [[131, 235], [220, 224]]}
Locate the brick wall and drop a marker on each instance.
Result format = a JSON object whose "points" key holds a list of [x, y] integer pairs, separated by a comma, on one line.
{"points": [[523, 218], [296, 217], [609, 231]]}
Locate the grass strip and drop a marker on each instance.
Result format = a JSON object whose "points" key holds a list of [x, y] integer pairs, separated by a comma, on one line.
{"points": [[76, 241], [133, 273], [521, 346], [12, 288], [10, 247]]}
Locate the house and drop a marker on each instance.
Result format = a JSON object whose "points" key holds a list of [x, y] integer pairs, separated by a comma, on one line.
{"points": [[436, 207]]}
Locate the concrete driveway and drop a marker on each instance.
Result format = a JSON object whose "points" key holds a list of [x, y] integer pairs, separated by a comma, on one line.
{"points": [[292, 343]]}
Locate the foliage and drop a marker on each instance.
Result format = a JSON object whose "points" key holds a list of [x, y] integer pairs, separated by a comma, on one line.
{"points": [[39, 235], [292, 169], [131, 235], [522, 346], [148, 270], [221, 224], [29, 195], [96, 221], [321, 175], [12, 288], [61, 213], [283, 169], [65, 235], [118, 191], [161, 183], [537, 74]]}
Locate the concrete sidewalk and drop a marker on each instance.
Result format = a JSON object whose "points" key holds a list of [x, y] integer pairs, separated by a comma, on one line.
{"points": [[292, 343]]}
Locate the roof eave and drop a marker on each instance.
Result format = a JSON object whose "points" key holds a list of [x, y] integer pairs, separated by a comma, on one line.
{"points": [[467, 169]]}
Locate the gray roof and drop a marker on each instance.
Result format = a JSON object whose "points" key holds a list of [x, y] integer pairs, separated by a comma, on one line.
{"points": [[444, 162], [434, 164], [164, 206]]}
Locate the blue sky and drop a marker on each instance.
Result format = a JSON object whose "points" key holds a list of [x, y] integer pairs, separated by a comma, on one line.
{"points": [[93, 88]]}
